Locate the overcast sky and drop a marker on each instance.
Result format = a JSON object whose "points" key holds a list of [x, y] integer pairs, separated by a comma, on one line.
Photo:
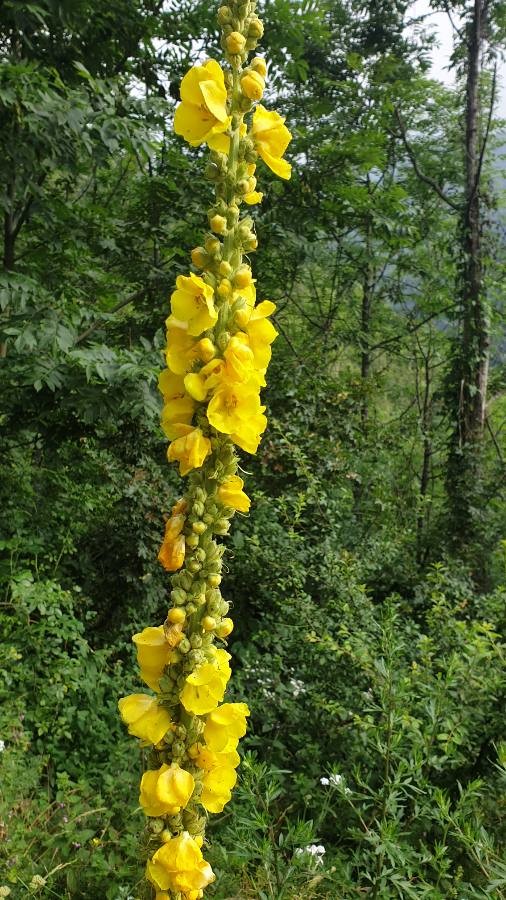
{"points": [[440, 22]]}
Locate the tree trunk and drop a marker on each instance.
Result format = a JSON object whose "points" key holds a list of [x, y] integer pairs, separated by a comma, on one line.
{"points": [[470, 372], [365, 326]]}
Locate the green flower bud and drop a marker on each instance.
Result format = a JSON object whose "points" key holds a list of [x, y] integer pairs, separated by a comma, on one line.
{"points": [[192, 540], [212, 172], [199, 527], [185, 581], [256, 28], [178, 597], [156, 825], [178, 749], [194, 566], [213, 247], [224, 15], [184, 646], [195, 657], [223, 340], [221, 526]]}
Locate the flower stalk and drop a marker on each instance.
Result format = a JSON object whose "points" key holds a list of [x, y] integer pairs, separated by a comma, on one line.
{"points": [[218, 349]]}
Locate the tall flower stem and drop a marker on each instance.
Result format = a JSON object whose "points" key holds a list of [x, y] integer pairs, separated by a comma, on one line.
{"points": [[218, 349]]}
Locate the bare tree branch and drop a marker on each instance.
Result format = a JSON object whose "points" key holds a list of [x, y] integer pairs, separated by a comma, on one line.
{"points": [[93, 327], [421, 175]]}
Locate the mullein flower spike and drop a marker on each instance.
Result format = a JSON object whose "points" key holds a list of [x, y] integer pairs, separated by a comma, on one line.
{"points": [[218, 349]]}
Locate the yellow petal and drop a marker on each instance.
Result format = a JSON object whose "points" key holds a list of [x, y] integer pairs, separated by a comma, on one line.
{"points": [[279, 166], [215, 98], [219, 142]]}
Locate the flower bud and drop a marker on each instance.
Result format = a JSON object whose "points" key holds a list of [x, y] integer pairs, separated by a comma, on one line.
{"points": [[224, 288], [212, 245], [242, 317], [256, 28], [235, 42], [222, 526], [259, 65], [192, 541], [225, 268], [223, 344], [245, 228], [224, 15], [199, 257], [199, 527], [208, 623], [185, 580], [206, 350], [166, 835], [200, 554], [225, 628], [243, 186], [252, 85], [194, 566], [214, 580], [212, 172], [184, 646], [242, 277], [156, 825], [218, 224], [176, 615], [178, 596]]}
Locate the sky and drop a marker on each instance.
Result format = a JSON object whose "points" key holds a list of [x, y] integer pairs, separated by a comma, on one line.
{"points": [[440, 22]]}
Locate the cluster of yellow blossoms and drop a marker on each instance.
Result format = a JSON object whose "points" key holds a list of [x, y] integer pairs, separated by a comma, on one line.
{"points": [[218, 349]]}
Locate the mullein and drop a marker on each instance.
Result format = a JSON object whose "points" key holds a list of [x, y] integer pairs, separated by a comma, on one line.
{"points": [[218, 349]]}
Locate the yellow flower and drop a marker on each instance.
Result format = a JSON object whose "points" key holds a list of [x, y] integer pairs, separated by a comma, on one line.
{"points": [[203, 110], [217, 788], [252, 85], [271, 137], [179, 407], [235, 409], [261, 333], [224, 726], [198, 384], [165, 791], [231, 493], [207, 759], [253, 197], [192, 302], [239, 359], [176, 415], [205, 687], [172, 554], [190, 450], [248, 293], [153, 653], [144, 717], [182, 350], [178, 865]]}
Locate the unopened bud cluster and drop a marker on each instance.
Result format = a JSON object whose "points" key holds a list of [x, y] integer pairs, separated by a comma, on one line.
{"points": [[218, 349]]}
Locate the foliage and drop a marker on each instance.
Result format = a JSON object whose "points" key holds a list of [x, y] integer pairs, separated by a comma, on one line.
{"points": [[367, 650]]}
